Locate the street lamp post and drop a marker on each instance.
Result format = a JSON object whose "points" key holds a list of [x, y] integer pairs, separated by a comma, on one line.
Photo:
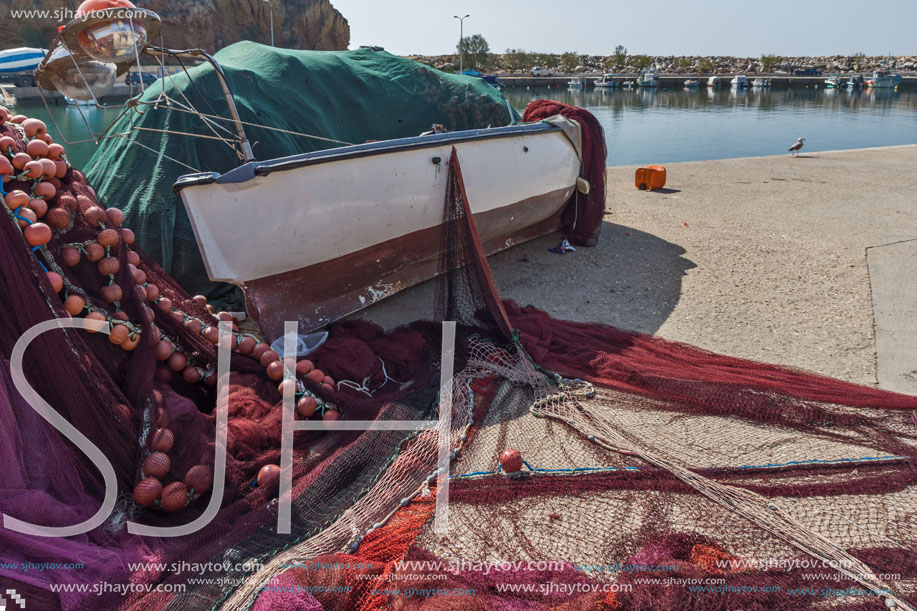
{"points": [[271, 4], [461, 41]]}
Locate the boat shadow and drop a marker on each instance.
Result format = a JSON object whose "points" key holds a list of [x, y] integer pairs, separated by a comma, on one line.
{"points": [[630, 280]]}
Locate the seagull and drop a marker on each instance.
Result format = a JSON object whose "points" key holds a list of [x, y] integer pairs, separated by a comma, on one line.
{"points": [[797, 147]]}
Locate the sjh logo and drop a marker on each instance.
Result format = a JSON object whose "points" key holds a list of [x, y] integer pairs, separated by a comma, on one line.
{"points": [[14, 597]]}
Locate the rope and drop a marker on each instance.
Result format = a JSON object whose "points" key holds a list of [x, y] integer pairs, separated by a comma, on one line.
{"points": [[155, 152]]}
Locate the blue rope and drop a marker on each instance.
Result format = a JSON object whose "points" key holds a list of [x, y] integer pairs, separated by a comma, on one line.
{"points": [[814, 461]]}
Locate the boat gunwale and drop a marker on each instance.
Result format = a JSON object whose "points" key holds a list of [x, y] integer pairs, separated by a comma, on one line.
{"points": [[253, 169]]}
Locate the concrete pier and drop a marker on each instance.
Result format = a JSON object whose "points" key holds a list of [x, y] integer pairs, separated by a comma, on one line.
{"points": [[676, 81], [762, 258]]}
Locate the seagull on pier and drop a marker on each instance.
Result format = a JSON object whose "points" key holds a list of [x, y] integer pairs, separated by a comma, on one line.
{"points": [[797, 147]]}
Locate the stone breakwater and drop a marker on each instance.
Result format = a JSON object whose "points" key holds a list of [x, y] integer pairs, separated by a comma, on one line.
{"points": [[693, 64]]}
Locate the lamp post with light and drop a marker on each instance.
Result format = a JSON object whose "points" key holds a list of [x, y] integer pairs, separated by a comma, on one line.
{"points": [[271, 4], [461, 42]]}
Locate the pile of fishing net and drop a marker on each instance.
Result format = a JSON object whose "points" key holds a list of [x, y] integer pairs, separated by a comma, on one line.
{"points": [[636, 473]]}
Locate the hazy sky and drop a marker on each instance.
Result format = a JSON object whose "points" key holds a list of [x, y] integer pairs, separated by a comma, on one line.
{"points": [[662, 27]]}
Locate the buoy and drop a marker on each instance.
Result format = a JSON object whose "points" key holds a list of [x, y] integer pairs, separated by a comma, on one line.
{"points": [[511, 461], [162, 440], [174, 496], [199, 479], [147, 492], [268, 476], [157, 464]]}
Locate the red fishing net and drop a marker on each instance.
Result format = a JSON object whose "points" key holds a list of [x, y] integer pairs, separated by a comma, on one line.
{"points": [[655, 475]]}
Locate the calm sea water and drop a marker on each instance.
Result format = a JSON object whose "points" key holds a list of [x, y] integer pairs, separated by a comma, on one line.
{"points": [[645, 126]]}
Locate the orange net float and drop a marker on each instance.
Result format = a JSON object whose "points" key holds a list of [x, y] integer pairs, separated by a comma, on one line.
{"points": [[157, 464], [199, 479], [147, 492], [174, 497]]}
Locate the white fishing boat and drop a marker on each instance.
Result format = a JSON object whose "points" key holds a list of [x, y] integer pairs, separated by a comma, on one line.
{"points": [[739, 81], [608, 81], [835, 81], [759, 83], [883, 80], [716, 81], [627, 85], [856, 81], [578, 84], [648, 78], [367, 239], [691, 83]]}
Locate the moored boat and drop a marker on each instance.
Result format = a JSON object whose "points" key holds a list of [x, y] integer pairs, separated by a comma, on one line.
{"points": [[648, 78], [856, 81], [740, 81], [835, 81], [759, 83], [882, 79], [578, 84], [691, 84], [608, 81], [716, 81]]}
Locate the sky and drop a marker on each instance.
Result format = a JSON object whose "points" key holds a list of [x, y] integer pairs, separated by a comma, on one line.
{"points": [[746, 28]]}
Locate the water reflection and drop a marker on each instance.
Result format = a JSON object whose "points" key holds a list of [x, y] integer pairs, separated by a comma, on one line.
{"points": [[665, 125]]}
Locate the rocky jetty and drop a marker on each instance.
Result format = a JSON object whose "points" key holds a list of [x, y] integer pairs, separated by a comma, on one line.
{"points": [[210, 24], [523, 62]]}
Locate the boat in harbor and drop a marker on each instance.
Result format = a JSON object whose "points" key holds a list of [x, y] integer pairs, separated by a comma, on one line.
{"points": [[73, 102], [835, 81], [577, 84], [739, 81], [759, 83], [648, 78], [882, 79], [608, 81], [716, 81], [628, 85], [691, 83], [856, 81]]}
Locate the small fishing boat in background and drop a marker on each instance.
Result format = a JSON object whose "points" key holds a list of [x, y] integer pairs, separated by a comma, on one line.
{"points": [[760, 83], [856, 81], [835, 81], [882, 79], [607, 82], [577, 84], [740, 81], [692, 83], [716, 81], [648, 78], [627, 85]]}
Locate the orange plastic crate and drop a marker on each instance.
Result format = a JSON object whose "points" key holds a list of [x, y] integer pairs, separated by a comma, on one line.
{"points": [[650, 178]]}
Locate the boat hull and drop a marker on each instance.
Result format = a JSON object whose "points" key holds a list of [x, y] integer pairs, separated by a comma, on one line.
{"points": [[316, 237]]}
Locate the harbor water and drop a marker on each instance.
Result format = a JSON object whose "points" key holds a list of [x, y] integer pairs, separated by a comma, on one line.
{"points": [[663, 126], [645, 126]]}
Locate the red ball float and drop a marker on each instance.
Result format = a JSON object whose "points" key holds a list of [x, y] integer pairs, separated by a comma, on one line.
{"points": [[304, 366], [306, 407], [133, 258], [147, 492], [20, 160], [177, 362], [268, 357], [57, 283], [37, 234], [119, 334], [109, 266], [30, 217], [34, 127], [94, 215], [33, 170], [36, 149], [191, 375], [157, 464], [114, 216], [268, 476], [95, 252], [162, 440], [259, 351], [131, 343], [39, 207], [108, 237], [511, 461], [275, 371], [199, 479], [316, 375], [95, 322], [17, 199], [112, 293], [74, 305], [58, 218], [174, 497], [247, 345]]}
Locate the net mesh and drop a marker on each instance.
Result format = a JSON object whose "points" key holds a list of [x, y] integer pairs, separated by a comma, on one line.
{"points": [[655, 474]]}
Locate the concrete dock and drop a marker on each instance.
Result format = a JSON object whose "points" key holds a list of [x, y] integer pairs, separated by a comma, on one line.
{"points": [[807, 262]]}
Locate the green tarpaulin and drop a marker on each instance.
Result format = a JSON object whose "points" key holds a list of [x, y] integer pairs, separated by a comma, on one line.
{"points": [[345, 96]]}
